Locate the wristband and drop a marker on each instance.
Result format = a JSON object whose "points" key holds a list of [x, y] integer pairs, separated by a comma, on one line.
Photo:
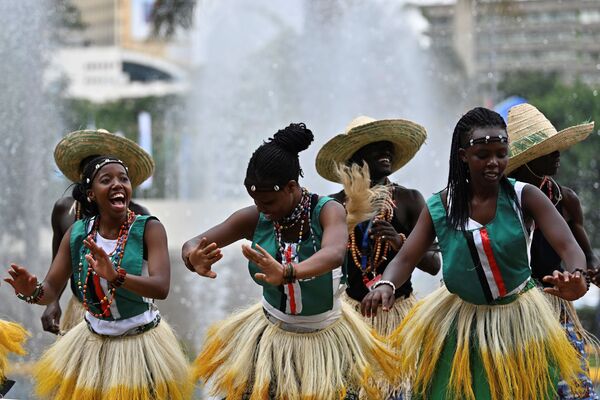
{"points": [[36, 296], [383, 282], [120, 279]]}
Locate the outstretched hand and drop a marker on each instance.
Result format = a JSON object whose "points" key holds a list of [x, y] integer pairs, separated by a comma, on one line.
{"points": [[203, 256], [21, 280], [272, 270], [568, 286], [99, 261], [382, 295]]}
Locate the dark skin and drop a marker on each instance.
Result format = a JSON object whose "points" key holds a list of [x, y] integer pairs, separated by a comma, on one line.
{"points": [[571, 206], [486, 164], [111, 190], [379, 156], [61, 221], [202, 251]]}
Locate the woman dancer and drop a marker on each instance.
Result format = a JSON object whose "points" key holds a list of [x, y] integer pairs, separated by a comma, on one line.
{"points": [[300, 342], [122, 350], [488, 333]]}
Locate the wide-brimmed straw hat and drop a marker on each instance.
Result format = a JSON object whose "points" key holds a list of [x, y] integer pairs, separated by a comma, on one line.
{"points": [[532, 135], [406, 136], [78, 145]]}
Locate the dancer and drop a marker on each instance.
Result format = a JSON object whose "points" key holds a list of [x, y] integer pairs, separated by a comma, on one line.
{"points": [[300, 342], [381, 147], [66, 211], [12, 337], [123, 349], [535, 157], [488, 333]]}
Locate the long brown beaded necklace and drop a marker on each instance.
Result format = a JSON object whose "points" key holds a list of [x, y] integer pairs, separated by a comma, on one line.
{"points": [[366, 261], [117, 258]]}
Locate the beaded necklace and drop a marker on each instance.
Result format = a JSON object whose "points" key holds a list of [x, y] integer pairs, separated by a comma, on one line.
{"points": [[551, 187], [116, 258], [299, 214], [366, 260]]}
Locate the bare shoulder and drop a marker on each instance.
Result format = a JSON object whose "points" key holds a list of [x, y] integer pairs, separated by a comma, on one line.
{"points": [[569, 195], [407, 196], [63, 204]]}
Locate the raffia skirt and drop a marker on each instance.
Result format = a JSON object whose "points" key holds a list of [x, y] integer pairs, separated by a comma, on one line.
{"points": [[85, 366], [384, 323], [12, 337], [247, 356], [72, 316], [452, 349]]}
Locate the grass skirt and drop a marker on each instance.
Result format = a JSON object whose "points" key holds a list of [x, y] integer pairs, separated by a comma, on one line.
{"points": [[583, 341], [72, 316], [85, 366], [12, 337], [385, 323], [246, 356], [452, 349]]}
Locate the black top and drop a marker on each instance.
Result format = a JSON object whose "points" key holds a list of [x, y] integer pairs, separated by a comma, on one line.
{"points": [[357, 289], [544, 260]]}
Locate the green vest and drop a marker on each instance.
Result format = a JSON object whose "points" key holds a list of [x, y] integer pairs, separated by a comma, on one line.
{"points": [[305, 297], [484, 265], [129, 304]]}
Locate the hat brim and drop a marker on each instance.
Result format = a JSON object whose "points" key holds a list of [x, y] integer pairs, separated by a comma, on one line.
{"points": [[78, 145], [533, 148], [406, 136]]}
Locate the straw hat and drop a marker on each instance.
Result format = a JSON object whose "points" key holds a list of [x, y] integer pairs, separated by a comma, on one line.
{"points": [[532, 135], [78, 145], [406, 136]]}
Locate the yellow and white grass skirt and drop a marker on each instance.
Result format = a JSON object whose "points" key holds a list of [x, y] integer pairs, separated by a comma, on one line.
{"points": [[247, 356], [72, 316], [507, 351], [12, 337], [85, 366], [385, 323]]}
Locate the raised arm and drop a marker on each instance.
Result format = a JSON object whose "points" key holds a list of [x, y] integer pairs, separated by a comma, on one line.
{"points": [[430, 262], [200, 252], [557, 232], [57, 277], [330, 256], [402, 265], [574, 217], [156, 284]]}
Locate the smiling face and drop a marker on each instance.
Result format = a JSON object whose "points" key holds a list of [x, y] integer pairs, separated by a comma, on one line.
{"points": [[111, 190], [277, 205], [486, 162], [379, 156]]}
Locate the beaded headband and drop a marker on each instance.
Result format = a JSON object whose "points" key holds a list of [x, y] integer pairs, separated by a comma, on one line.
{"points": [[488, 139], [101, 164]]}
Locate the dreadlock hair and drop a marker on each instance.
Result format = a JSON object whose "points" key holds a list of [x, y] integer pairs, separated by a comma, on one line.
{"points": [[276, 161], [458, 176], [88, 173]]}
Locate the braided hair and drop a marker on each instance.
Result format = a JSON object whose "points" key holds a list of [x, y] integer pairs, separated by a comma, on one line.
{"points": [[458, 175], [88, 173], [276, 162]]}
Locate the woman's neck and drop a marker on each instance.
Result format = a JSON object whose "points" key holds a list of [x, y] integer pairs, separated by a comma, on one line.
{"points": [[109, 226]]}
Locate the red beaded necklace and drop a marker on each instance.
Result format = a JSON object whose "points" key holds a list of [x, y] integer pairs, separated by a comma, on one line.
{"points": [[117, 258]]}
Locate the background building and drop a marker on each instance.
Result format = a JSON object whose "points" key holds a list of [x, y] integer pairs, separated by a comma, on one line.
{"points": [[490, 38]]}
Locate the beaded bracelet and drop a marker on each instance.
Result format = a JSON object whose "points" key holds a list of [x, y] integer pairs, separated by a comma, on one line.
{"points": [[384, 282], [588, 278], [36, 296], [403, 237], [120, 279], [289, 273]]}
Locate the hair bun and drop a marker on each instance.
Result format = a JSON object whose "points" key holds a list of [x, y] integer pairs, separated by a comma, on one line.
{"points": [[293, 138]]}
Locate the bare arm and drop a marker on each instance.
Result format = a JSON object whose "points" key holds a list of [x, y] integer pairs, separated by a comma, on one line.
{"points": [[430, 262], [402, 265], [330, 256], [572, 207], [156, 284], [553, 226], [201, 251]]}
